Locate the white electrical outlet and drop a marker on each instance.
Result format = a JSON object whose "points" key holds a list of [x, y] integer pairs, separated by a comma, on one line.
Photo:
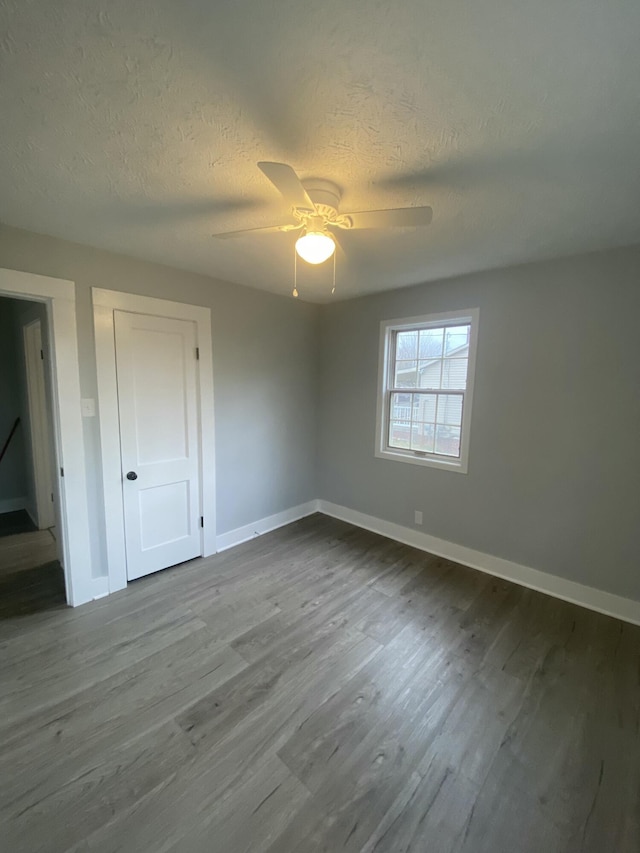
{"points": [[417, 517]]}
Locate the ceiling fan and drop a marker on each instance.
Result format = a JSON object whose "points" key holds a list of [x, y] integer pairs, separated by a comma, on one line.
{"points": [[315, 210]]}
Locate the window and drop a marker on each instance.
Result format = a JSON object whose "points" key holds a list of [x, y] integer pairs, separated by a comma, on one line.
{"points": [[426, 382]]}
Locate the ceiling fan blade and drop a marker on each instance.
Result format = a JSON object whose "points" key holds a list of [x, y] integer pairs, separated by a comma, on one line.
{"points": [[288, 183], [269, 229], [399, 217]]}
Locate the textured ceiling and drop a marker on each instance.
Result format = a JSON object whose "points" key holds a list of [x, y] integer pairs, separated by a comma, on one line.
{"points": [[136, 127]]}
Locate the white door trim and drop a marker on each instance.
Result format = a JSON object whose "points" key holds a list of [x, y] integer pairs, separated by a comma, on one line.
{"points": [[105, 302], [60, 297], [39, 430]]}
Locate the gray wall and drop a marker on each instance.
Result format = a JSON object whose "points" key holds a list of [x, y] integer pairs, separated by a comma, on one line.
{"points": [[554, 469], [554, 466], [14, 481], [265, 361]]}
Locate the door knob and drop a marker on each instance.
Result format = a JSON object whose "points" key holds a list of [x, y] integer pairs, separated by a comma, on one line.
{"points": [[132, 475]]}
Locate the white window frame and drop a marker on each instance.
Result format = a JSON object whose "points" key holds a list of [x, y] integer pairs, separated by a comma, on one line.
{"points": [[388, 328]]}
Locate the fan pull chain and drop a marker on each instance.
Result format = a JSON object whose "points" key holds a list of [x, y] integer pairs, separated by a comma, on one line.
{"points": [[295, 273], [333, 289]]}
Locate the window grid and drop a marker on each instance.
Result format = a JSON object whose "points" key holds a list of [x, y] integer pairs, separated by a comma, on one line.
{"points": [[411, 420], [439, 428]]}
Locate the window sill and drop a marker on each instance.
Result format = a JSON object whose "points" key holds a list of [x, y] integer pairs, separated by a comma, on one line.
{"points": [[458, 466]]}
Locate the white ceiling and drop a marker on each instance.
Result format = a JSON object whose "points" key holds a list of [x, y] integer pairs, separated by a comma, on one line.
{"points": [[136, 127]]}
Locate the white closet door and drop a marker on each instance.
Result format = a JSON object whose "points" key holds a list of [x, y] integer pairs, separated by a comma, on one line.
{"points": [[158, 407]]}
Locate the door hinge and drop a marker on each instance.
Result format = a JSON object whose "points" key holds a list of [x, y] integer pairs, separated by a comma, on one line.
{"points": [[42, 354], [51, 497], [62, 472], [202, 521], [197, 353]]}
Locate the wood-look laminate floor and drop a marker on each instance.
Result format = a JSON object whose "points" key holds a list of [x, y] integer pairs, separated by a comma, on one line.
{"points": [[31, 578], [28, 550], [320, 688]]}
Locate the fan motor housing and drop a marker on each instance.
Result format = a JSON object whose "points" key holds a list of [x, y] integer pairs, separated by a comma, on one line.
{"points": [[324, 194]]}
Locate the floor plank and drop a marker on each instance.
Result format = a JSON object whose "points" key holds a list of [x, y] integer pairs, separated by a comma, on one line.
{"points": [[319, 688], [26, 550]]}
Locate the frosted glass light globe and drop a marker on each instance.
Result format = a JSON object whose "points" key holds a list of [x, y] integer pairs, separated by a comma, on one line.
{"points": [[315, 247]]}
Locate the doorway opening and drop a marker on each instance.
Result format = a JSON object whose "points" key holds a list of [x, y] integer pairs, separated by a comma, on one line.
{"points": [[31, 574], [56, 298]]}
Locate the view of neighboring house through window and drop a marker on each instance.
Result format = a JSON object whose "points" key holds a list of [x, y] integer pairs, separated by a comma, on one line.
{"points": [[425, 395]]}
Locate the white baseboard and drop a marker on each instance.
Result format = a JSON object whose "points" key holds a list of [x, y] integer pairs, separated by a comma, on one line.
{"points": [[586, 596], [91, 590], [99, 587], [264, 525], [12, 504]]}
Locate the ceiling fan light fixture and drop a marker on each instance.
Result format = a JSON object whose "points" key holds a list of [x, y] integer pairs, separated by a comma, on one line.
{"points": [[315, 247]]}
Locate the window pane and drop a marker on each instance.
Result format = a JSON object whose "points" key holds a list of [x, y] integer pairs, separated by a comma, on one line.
{"points": [[427, 379], [425, 407], [422, 437], [431, 343], [429, 373], [401, 407], [454, 373], [450, 409], [448, 440], [399, 433], [405, 374], [456, 337], [407, 345]]}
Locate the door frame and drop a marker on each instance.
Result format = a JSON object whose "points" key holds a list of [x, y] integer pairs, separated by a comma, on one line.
{"points": [[59, 296], [39, 427], [105, 302]]}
